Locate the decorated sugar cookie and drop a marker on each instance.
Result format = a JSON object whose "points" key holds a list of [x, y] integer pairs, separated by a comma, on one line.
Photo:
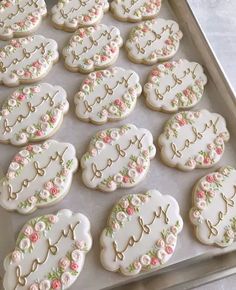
{"points": [[193, 140], [214, 207], [141, 233], [20, 17], [153, 41], [92, 48], [135, 10], [38, 176], [50, 252], [117, 157], [27, 59], [175, 85], [72, 14], [32, 113], [107, 95]]}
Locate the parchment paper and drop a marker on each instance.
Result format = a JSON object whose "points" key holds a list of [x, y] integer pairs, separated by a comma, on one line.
{"points": [[97, 205]]}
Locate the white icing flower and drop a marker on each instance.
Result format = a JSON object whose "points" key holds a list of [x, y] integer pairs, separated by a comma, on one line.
{"points": [[24, 244], [161, 254], [75, 255], [30, 130], [199, 158], [127, 97], [205, 185], [99, 145], [14, 166], [114, 134], [212, 154], [58, 181], [175, 126], [11, 175], [80, 244], [44, 194], [24, 153], [16, 256], [201, 204], [171, 239], [145, 260], [230, 233], [12, 103], [132, 173], [34, 287], [28, 230], [135, 201], [113, 109], [218, 176], [40, 226], [161, 67], [219, 141], [23, 137], [66, 278], [118, 178], [140, 161], [45, 285], [121, 216], [124, 203], [5, 112], [37, 149], [26, 91]]}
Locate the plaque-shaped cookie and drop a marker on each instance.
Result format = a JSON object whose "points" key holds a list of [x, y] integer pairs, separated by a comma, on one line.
{"points": [[175, 85], [214, 207], [134, 11], [49, 253], [38, 176], [92, 48], [32, 113], [193, 140], [153, 41], [27, 59], [20, 17], [117, 157], [141, 233], [70, 15], [107, 95]]}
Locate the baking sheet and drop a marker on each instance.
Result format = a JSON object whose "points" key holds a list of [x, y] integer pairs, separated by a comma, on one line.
{"points": [[96, 205]]}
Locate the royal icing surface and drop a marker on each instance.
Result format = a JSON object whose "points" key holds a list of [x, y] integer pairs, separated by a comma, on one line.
{"points": [[135, 10], [92, 48], [38, 176], [27, 59], [175, 85], [72, 14], [214, 207], [141, 233], [49, 253], [107, 95], [117, 157], [20, 17], [153, 41], [32, 113], [193, 140]]}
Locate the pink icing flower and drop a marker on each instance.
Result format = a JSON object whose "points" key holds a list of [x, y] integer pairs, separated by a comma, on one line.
{"points": [[206, 160], [65, 172], [53, 119], [64, 263], [130, 210], [145, 29], [21, 23], [56, 284], [210, 178], [74, 266], [34, 19], [87, 81], [107, 139], [28, 231], [103, 57], [201, 194], [29, 148], [86, 18], [155, 73], [139, 169], [27, 74], [168, 64], [34, 237], [54, 191], [168, 250], [169, 41], [154, 261], [39, 133], [219, 151], [21, 97], [53, 219], [187, 92], [182, 122], [113, 49], [98, 74], [8, 4], [18, 158], [125, 179], [36, 64]]}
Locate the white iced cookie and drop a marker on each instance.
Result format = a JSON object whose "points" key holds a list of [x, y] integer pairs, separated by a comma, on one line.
{"points": [[193, 140], [32, 113], [72, 14], [27, 59], [117, 157], [49, 253], [175, 85], [141, 233], [107, 95], [135, 10], [20, 17], [153, 41], [214, 207], [92, 48], [38, 176]]}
